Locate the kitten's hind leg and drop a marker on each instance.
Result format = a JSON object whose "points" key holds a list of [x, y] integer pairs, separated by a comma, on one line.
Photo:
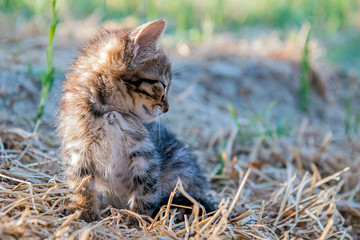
{"points": [[84, 200]]}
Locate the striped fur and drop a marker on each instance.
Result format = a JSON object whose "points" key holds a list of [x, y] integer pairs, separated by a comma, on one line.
{"points": [[113, 93]]}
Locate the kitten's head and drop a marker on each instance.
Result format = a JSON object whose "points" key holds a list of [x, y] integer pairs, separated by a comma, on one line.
{"points": [[133, 69]]}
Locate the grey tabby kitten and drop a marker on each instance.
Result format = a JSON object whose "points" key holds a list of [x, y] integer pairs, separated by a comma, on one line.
{"points": [[114, 91]]}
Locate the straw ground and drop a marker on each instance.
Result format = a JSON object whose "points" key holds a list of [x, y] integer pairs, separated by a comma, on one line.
{"points": [[275, 200]]}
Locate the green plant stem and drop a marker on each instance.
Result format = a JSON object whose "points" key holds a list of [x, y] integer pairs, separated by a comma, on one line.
{"points": [[236, 120], [47, 76], [305, 86]]}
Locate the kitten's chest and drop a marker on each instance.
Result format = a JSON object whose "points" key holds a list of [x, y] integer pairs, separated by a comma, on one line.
{"points": [[130, 149], [124, 172]]}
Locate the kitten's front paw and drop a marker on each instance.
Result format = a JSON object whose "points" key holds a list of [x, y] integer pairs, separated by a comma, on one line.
{"points": [[86, 214]]}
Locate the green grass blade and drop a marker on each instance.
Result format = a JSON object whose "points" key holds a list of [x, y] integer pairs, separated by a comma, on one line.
{"points": [[305, 86], [47, 76]]}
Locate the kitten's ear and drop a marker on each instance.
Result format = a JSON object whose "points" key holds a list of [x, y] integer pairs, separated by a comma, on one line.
{"points": [[146, 40]]}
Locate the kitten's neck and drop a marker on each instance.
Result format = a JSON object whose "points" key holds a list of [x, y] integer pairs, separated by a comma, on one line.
{"points": [[105, 97]]}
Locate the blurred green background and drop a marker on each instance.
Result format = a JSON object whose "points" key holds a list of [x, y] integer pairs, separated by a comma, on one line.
{"points": [[336, 23]]}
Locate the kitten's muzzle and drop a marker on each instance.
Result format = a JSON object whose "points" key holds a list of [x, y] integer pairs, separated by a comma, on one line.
{"points": [[164, 108]]}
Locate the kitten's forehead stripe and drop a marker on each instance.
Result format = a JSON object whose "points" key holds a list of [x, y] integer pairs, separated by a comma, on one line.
{"points": [[141, 91]]}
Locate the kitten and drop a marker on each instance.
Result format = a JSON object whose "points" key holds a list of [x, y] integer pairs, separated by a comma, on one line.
{"points": [[115, 90]]}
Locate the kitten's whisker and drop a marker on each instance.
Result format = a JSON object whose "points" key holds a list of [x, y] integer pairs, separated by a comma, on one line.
{"points": [[180, 70], [165, 121], [159, 126]]}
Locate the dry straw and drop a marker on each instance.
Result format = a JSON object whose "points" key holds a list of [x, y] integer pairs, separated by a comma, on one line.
{"points": [[266, 203]]}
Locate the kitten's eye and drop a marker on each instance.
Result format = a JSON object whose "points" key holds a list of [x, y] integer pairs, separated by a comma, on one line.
{"points": [[162, 98], [152, 81], [147, 80]]}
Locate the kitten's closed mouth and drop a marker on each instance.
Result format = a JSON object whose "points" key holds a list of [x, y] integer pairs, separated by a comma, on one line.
{"points": [[155, 112]]}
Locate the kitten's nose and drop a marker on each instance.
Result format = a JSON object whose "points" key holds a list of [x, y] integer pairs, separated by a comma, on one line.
{"points": [[165, 105]]}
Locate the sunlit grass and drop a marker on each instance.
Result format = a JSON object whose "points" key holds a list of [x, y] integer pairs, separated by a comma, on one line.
{"points": [[197, 21], [185, 15]]}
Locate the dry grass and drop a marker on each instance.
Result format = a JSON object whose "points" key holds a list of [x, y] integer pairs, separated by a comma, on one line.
{"points": [[268, 201]]}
